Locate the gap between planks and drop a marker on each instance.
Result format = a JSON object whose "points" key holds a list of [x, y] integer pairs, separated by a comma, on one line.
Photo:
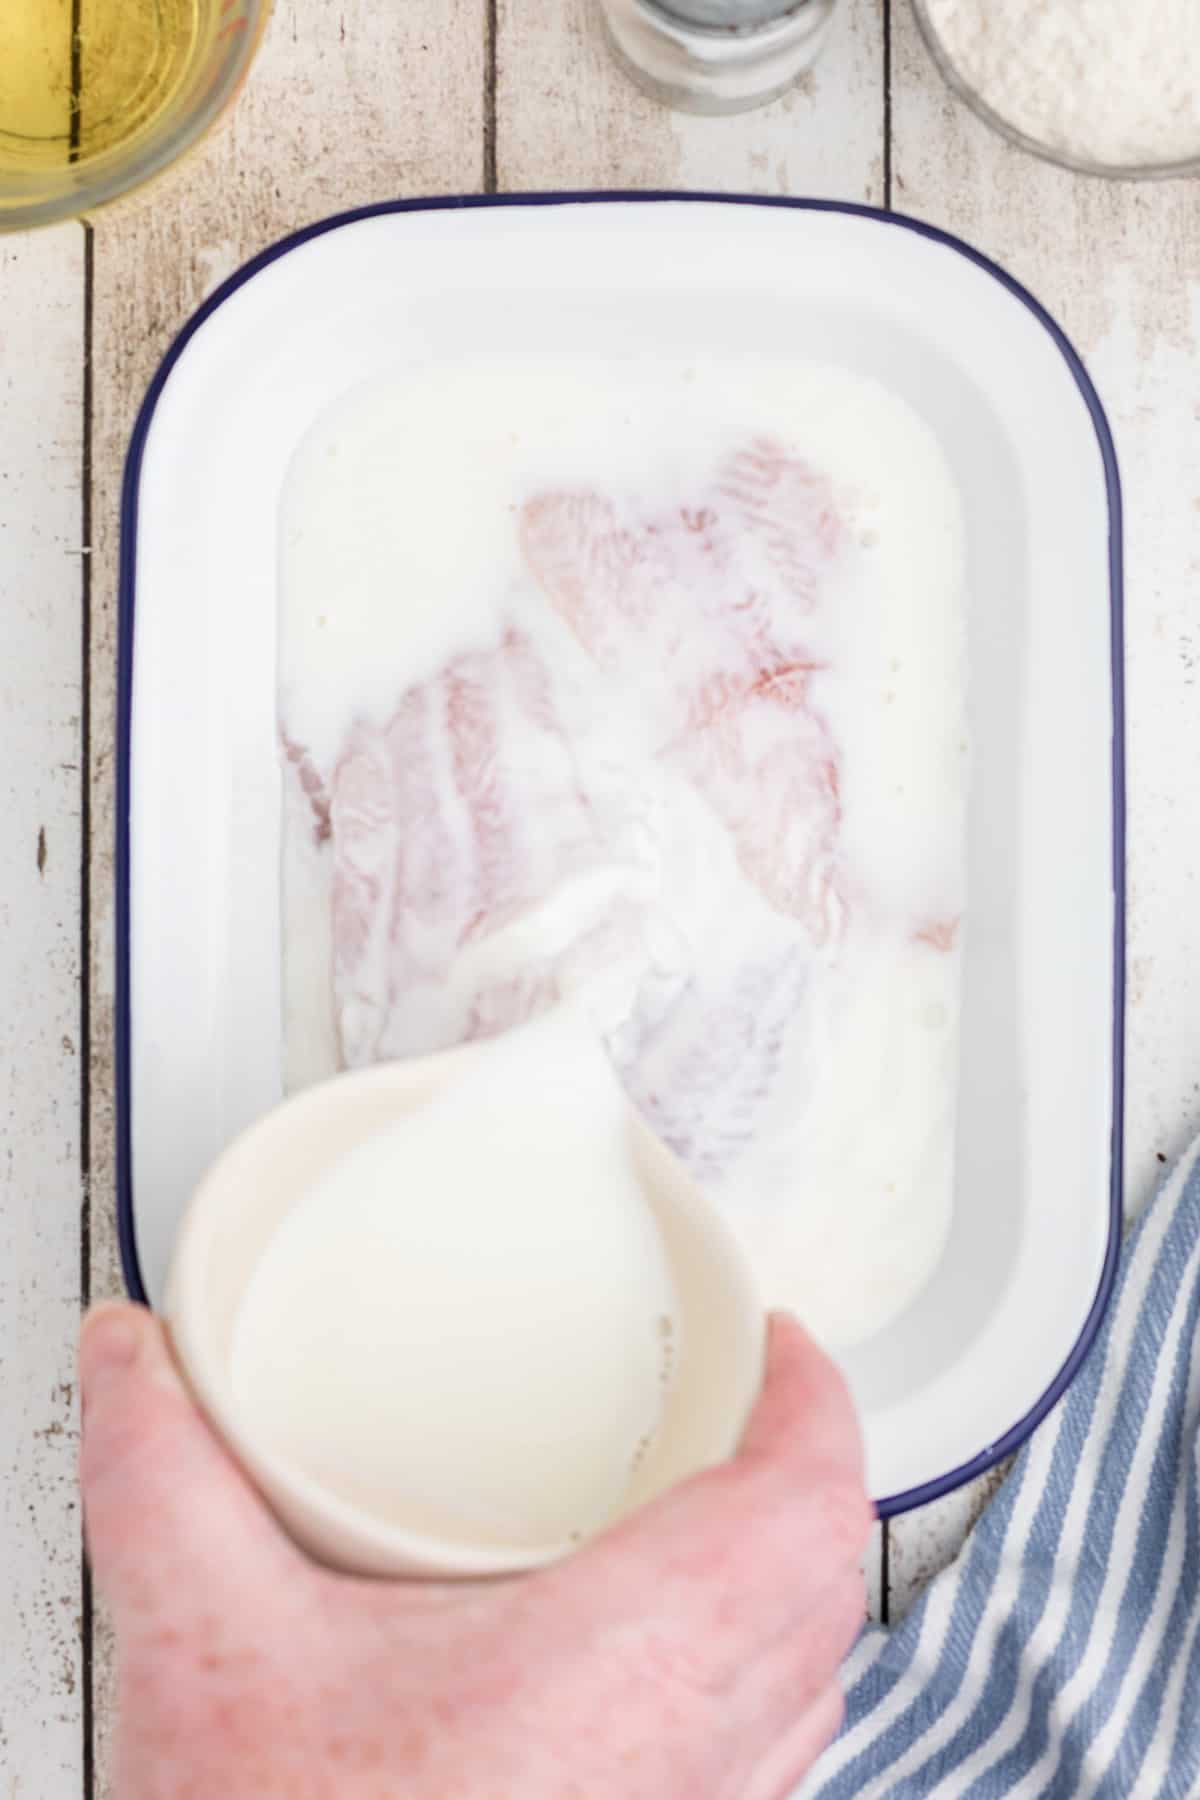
{"points": [[85, 958]]}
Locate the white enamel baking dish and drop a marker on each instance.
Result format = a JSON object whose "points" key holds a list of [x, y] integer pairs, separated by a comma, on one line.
{"points": [[992, 1341]]}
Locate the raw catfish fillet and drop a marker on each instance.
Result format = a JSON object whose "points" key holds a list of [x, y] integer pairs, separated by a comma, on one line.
{"points": [[701, 1069], [457, 827], [482, 861], [708, 608]]}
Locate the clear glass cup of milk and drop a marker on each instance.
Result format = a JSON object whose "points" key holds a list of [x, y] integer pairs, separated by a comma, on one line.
{"points": [[716, 56]]}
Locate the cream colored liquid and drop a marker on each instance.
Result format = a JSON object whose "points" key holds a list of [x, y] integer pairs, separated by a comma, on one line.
{"points": [[469, 1325], [401, 550]]}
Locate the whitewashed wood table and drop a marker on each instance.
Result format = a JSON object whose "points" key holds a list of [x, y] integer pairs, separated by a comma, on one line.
{"points": [[352, 101]]}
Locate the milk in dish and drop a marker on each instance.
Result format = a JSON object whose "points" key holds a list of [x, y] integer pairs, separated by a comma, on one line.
{"points": [[646, 682], [468, 1326]]}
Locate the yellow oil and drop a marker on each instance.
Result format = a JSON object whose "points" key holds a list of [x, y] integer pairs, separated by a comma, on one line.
{"points": [[81, 78]]}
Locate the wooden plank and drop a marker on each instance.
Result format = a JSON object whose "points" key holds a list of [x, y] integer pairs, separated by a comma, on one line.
{"points": [[1119, 265], [568, 117], [41, 1603], [874, 1565], [923, 1543], [348, 102]]}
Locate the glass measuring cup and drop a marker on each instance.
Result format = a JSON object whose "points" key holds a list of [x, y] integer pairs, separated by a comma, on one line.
{"points": [[98, 95]]}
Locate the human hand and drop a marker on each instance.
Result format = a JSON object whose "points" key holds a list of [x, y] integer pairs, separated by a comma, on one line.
{"points": [[689, 1654]]}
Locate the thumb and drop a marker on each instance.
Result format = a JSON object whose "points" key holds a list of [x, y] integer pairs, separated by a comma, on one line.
{"points": [[801, 1457], [805, 1415], [799, 1467], [172, 1524], [758, 1550]]}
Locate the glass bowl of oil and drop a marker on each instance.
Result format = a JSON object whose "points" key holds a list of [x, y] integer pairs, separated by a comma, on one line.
{"points": [[98, 95]]}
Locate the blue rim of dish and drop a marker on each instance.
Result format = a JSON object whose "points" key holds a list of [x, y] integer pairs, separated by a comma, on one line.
{"points": [[126, 1230]]}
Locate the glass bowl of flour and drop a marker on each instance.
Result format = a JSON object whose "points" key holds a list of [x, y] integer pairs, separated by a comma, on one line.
{"points": [[1099, 86]]}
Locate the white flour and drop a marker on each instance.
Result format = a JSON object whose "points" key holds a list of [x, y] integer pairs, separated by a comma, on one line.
{"points": [[1105, 81]]}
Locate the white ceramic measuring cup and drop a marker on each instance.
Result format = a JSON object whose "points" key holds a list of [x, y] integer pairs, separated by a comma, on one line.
{"points": [[267, 1170]]}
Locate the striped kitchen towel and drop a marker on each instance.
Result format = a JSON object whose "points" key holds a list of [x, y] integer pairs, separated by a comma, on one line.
{"points": [[1059, 1656]]}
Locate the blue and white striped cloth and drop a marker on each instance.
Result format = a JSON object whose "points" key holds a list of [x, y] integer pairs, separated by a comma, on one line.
{"points": [[1059, 1656]]}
